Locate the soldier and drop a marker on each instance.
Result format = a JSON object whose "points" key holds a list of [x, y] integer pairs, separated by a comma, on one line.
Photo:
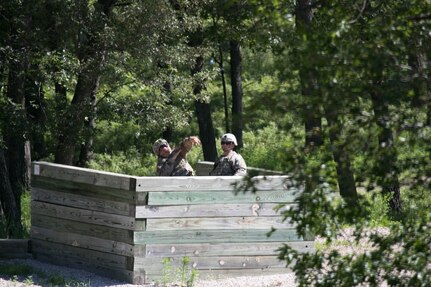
{"points": [[174, 162], [230, 162]]}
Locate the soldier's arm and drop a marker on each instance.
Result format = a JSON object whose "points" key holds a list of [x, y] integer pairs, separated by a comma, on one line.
{"points": [[239, 165], [187, 144]]}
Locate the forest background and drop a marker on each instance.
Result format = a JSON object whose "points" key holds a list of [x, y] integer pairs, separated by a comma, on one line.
{"points": [[335, 93]]}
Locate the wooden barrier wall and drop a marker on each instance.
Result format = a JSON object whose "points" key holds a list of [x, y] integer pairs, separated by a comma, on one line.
{"points": [[129, 227]]}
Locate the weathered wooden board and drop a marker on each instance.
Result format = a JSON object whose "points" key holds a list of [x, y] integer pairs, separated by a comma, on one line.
{"points": [[220, 196], [82, 256], [83, 202], [209, 210], [84, 175], [100, 192], [217, 223], [82, 241], [83, 215], [222, 249], [44, 253], [214, 236], [203, 168], [177, 183], [82, 228], [213, 263]]}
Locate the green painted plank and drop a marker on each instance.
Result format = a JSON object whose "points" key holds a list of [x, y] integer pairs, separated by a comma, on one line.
{"points": [[209, 210], [214, 236], [255, 222], [222, 249], [200, 197]]}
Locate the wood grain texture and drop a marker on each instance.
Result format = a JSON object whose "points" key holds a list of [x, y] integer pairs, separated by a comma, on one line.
{"points": [[83, 215], [220, 196], [193, 183], [216, 223], [214, 236], [80, 201], [83, 241], [84, 189], [222, 249], [209, 210], [82, 228], [83, 175]]}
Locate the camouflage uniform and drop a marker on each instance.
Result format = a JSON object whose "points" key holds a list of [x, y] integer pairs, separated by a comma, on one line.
{"points": [[172, 166], [232, 164]]}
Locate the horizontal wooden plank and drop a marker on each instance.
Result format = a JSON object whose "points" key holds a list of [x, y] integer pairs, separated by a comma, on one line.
{"points": [[205, 167], [182, 183], [220, 262], [84, 257], [82, 228], [84, 175], [80, 201], [209, 210], [83, 189], [81, 262], [214, 236], [220, 196], [222, 249], [216, 223], [83, 241], [83, 215]]}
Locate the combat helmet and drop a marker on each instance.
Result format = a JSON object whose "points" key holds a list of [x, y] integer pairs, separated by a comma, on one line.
{"points": [[157, 144], [229, 138]]}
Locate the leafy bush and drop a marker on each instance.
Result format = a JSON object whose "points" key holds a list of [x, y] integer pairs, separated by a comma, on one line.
{"points": [[265, 147], [131, 162]]}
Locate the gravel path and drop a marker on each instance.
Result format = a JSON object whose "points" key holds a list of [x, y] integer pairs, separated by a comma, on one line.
{"points": [[76, 277]]}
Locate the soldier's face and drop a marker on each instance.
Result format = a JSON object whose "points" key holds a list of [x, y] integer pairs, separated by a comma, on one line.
{"points": [[227, 146], [164, 151]]}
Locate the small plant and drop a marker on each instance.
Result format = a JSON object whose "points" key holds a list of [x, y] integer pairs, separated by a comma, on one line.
{"points": [[29, 280], [186, 275], [166, 271]]}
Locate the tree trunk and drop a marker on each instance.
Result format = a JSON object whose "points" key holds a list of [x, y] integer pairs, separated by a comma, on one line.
{"points": [[345, 177], [92, 56], [15, 154], [86, 152], [386, 169], [203, 112], [236, 83], [312, 119], [86, 88], [9, 205]]}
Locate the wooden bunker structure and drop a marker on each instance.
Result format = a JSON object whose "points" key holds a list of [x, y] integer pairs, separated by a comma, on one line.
{"points": [[130, 228]]}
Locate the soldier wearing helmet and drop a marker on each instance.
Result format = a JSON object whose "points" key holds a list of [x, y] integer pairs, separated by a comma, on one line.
{"points": [[230, 162], [174, 162]]}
